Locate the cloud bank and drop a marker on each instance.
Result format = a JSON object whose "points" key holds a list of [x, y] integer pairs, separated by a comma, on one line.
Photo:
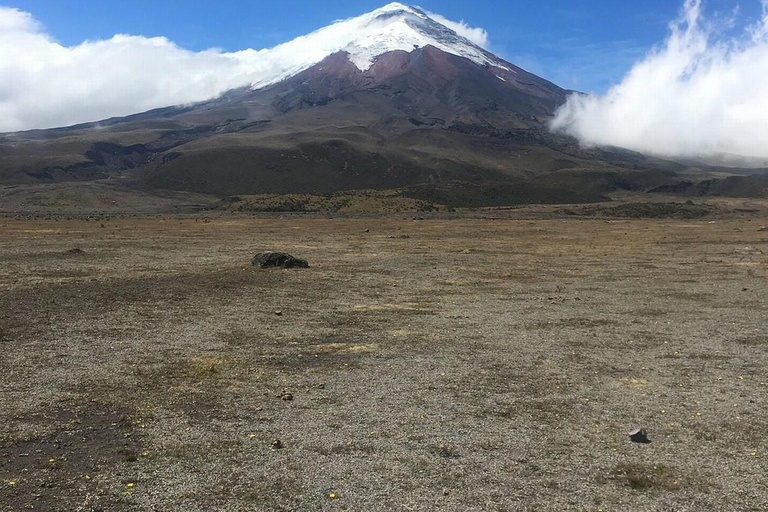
{"points": [[697, 95], [44, 84]]}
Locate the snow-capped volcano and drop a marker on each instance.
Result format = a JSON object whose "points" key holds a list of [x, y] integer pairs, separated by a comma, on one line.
{"points": [[390, 99], [393, 27], [396, 99], [48, 89]]}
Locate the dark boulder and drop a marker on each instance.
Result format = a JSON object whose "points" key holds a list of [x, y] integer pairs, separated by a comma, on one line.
{"points": [[278, 259]]}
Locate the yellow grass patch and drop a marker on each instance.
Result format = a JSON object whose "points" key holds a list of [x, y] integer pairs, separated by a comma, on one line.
{"points": [[205, 366], [345, 348], [634, 383], [403, 306]]}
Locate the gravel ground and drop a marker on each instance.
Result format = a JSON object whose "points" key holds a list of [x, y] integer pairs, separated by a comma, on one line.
{"points": [[459, 365]]}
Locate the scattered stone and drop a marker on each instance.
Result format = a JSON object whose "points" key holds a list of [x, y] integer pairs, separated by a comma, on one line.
{"points": [[75, 252], [367, 231], [286, 396], [446, 492], [639, 436], [279, 313], [277, 444], [445, 451], [746, 251], [763, 228], [278, 260]]}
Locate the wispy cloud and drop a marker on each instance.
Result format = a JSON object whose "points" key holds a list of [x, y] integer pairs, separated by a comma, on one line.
{"points": [[477, 35], [703, 92], [44, 84]]}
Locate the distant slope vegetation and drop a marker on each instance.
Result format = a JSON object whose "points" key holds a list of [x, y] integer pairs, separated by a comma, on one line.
{"points": [[755, 186]]}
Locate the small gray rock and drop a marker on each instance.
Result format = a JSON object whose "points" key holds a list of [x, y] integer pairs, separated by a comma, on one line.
{"points": [[746, 251], [639, 436]]}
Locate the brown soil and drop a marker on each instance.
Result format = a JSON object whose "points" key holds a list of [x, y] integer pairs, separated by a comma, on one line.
{"points": [[468, 364]]}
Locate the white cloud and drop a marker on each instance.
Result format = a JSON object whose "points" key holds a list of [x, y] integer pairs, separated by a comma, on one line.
{"points": [[696, 95], [479, 36], [14, 21], [44, 84]]}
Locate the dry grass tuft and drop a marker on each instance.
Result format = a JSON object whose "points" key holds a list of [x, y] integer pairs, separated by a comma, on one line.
{"points": [[203, 367], [753, 341], [642, 477]]}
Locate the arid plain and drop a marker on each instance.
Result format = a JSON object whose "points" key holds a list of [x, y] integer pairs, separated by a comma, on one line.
{"points": [[476, 361]]}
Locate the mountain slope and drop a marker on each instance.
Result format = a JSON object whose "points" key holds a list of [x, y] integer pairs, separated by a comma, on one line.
{"points": [[410, 118]]}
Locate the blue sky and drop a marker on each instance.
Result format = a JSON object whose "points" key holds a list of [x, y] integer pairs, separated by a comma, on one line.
{"points": [[586, 45], [703, 90]]}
